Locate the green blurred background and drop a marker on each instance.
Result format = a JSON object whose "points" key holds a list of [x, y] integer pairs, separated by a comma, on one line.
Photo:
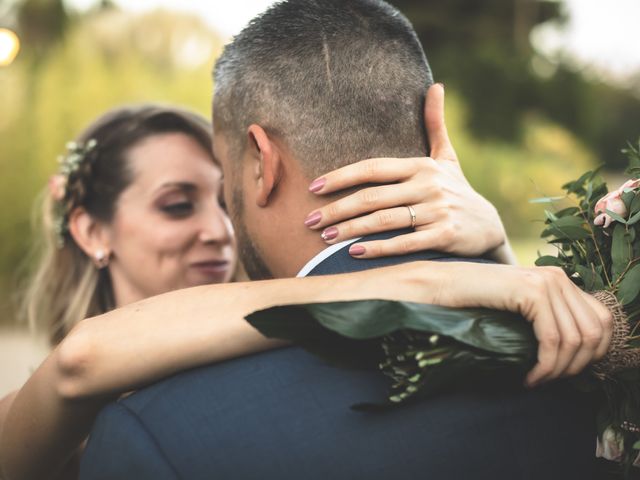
{"points": [[523, 122]]}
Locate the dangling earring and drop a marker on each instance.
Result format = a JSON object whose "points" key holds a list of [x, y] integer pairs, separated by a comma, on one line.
{"points": [[101, 259]]}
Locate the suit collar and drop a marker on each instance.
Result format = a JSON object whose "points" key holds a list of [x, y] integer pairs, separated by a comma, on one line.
{"points": [[323, 255]]}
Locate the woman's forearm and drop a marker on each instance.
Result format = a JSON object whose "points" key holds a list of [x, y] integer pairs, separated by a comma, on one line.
{"points": [[137, 344], [130, 347]]}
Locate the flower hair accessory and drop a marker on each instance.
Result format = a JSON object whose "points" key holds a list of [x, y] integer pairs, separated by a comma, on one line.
{"points": [[59, 184]]}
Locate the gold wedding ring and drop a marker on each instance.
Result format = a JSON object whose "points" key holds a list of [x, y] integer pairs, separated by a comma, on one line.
{"points": [[412, 212]]}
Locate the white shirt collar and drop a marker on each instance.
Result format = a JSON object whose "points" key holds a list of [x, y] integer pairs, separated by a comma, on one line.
{"points": [[323, 255]]}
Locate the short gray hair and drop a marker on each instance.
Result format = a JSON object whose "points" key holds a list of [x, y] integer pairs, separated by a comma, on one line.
{"points": [[337, 80]]}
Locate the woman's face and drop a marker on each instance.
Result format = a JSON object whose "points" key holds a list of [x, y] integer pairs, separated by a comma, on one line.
{"points": [[170, 230]]}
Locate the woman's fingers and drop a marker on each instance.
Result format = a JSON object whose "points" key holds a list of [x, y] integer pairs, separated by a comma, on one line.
{"points": [[571, 351], [378, 221], [373, 170], [400, 245], [364, 201], [594, 337], [579, 333], [546, 331], [605, 318]]}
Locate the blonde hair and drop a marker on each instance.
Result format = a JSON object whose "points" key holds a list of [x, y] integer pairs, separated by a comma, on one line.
{"points": [[65, 286]]}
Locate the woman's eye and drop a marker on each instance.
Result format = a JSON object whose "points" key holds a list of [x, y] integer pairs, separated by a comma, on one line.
{"points": [[222, 203], [179, 209]]}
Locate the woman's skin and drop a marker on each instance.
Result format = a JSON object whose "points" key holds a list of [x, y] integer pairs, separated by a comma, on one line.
{"points": [[146, 340]]}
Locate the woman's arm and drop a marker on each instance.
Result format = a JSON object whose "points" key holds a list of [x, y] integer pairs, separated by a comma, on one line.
{"points": [[130, 347]]}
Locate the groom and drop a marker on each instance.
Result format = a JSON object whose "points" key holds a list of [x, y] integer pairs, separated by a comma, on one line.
{"points": [[305, 84]]}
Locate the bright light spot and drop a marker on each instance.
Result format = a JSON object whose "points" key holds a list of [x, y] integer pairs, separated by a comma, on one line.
{"points": [[602, 36], [9, 46]]}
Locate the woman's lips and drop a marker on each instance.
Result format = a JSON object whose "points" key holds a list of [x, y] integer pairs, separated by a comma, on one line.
{"points": [[214, 267]]}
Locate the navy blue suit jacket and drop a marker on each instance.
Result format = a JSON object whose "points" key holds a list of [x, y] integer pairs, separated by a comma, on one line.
{"points": [[285, 414]]}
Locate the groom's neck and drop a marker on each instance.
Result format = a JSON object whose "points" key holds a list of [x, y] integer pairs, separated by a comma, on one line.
{"points": [[287, 243], [298, 244]]}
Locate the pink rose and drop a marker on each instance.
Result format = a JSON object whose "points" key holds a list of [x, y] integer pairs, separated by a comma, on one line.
{"points": [[612, 201], [631, 184], [57, 186]]}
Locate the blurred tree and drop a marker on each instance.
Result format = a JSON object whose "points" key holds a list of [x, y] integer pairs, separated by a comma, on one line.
{"points": [[483, 50], [41, 24]]}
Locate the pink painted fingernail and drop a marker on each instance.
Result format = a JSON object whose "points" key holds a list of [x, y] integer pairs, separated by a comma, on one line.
{"points": [[329, 234], [313, 219], [356, 250], [317, 185]]}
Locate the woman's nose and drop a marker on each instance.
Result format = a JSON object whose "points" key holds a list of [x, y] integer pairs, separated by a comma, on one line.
{"points": [[216, 227]]}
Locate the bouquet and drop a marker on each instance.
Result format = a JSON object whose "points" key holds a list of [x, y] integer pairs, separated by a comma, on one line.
{"points": [[427, 349]]}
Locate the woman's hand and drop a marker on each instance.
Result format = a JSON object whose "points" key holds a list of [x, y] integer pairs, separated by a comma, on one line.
{"points": [[573, 328], [450, 215]]}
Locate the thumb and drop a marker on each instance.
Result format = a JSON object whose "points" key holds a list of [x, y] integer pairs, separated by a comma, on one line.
{"points": [[441, 148]]}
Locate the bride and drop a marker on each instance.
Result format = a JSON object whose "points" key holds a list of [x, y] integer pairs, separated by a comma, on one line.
{"points": [[139, 274]]}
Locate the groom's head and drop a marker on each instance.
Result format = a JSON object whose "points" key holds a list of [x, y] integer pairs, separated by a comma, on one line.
{"points": [[308, 86]]}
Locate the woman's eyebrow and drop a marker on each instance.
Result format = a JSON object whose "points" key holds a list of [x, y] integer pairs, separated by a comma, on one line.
{"points": [[188, 186]]}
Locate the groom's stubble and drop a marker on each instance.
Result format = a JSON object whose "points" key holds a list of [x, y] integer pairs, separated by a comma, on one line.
{"points": [[248, 251]]}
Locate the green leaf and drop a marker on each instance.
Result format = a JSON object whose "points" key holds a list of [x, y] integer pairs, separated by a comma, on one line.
{"points": [[599, 190], [577, 186], [627, 198], [570, 228], [620, 250], [629, 286], [550, 215], [359, 325], [545, 199], [565, 212], [633, 154], [548, 261], [634, 219], [591, 280], [635, 204], [616, 217]]}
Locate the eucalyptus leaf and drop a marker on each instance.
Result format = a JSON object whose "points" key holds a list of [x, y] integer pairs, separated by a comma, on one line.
{"points": [[546, 199], [629, 286], [498, 332], [550, 215], [548, 261], [592, 281], [565, 212], [620, 250], [627, 198], [566, 233], [634, 219], [616, 217], [577, 186], [635, 204]]}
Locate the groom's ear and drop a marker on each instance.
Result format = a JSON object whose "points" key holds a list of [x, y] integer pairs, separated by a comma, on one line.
{"points": [[267, 164]]}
